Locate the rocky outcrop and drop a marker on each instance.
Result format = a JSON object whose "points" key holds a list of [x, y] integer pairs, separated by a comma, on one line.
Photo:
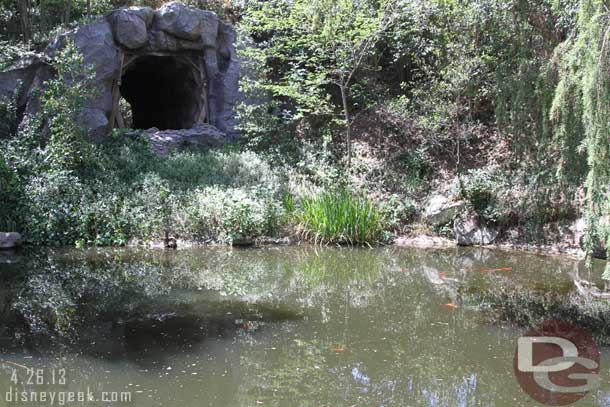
{"points": [[469, 231], [423, 241], [188, 24], [182, 54], [441, 210], [9, 240], [131, 26], [164, 141], [9, 256]]}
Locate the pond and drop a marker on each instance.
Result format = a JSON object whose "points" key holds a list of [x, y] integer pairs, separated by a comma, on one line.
{"points": [[276, 326]]}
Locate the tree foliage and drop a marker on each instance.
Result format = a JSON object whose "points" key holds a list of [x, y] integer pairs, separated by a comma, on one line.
{"points": [[531, 75], [311, 50]]}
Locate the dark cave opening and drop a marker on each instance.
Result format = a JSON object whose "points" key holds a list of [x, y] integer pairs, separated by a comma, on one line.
{"points": [[163, 91]]}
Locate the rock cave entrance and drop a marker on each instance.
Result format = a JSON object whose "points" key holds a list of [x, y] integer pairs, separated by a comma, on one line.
{"points": [[166, 92]]}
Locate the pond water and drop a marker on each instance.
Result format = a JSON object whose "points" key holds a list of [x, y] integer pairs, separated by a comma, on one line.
{"points": [[278, 326]]}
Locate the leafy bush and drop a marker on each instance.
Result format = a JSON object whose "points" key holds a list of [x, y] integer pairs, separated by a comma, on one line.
{"points": [[340, 217], [398, 210], [492, 200], [231, 214], [478, 187], [9, 197], [62, 210], [8, 117], [11, 52], [416, 165], [61, 103], [53, 206], [151, 207]]}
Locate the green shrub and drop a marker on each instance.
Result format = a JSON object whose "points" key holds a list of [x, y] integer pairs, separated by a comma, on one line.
{"points": [[398, 210], [340, 217], [242, 221], [152, 207], [59, 208], [415, 164], [61, 103], [9, 197], [53, 207], [238, 169], [478, 188], [226, 215], [8, 117], [104, 221], [481, 188]]}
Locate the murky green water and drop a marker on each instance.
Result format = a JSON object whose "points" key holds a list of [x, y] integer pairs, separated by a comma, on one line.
{"points": [[295, 326]]}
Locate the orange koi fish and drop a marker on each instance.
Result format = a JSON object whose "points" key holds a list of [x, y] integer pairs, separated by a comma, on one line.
{"points": [[500, 269], [486, 270]]}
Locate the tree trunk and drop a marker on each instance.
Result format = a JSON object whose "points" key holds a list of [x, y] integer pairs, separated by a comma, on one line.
{"points": [[68, 12], [43, 17], [348, 130], [25, 19]]}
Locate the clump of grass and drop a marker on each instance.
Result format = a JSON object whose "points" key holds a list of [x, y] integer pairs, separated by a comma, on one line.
{"points": [[340, 217]]}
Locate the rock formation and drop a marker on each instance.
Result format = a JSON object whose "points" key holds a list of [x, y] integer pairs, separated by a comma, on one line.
{"points": [[202, 135], [442, 210], [9, 240], [469, 231], [176, 66]]}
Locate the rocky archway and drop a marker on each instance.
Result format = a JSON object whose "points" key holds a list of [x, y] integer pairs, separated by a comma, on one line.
{"points": [[166, 92], [176, 66]]}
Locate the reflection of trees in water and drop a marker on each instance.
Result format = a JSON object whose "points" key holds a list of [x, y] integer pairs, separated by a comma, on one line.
{"points": [[375, 331], [588, 286], [61, 292], [409, 361], [64, 291], [58, 294], [309, 372]]}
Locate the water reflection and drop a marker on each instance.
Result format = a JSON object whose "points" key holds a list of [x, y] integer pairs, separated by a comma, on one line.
{"points": [[292, 326]]}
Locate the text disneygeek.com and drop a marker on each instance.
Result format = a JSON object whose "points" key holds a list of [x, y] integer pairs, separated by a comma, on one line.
{"points": [[34, 387]]}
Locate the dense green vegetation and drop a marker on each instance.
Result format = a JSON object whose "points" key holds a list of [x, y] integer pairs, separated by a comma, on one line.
{"points": [[341, 217], [63, 190], [502, 102]]}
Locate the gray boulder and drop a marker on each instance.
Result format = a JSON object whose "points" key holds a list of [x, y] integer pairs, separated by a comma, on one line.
{"points": [[209, 27], [470, 232], [180, 21], [129, 29], [96, 42], [224, 88], [162, 41], [9, 240], [442, 210], [145, 13], [95, 120], [203, 135], [9, 256], [21, 71]]}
